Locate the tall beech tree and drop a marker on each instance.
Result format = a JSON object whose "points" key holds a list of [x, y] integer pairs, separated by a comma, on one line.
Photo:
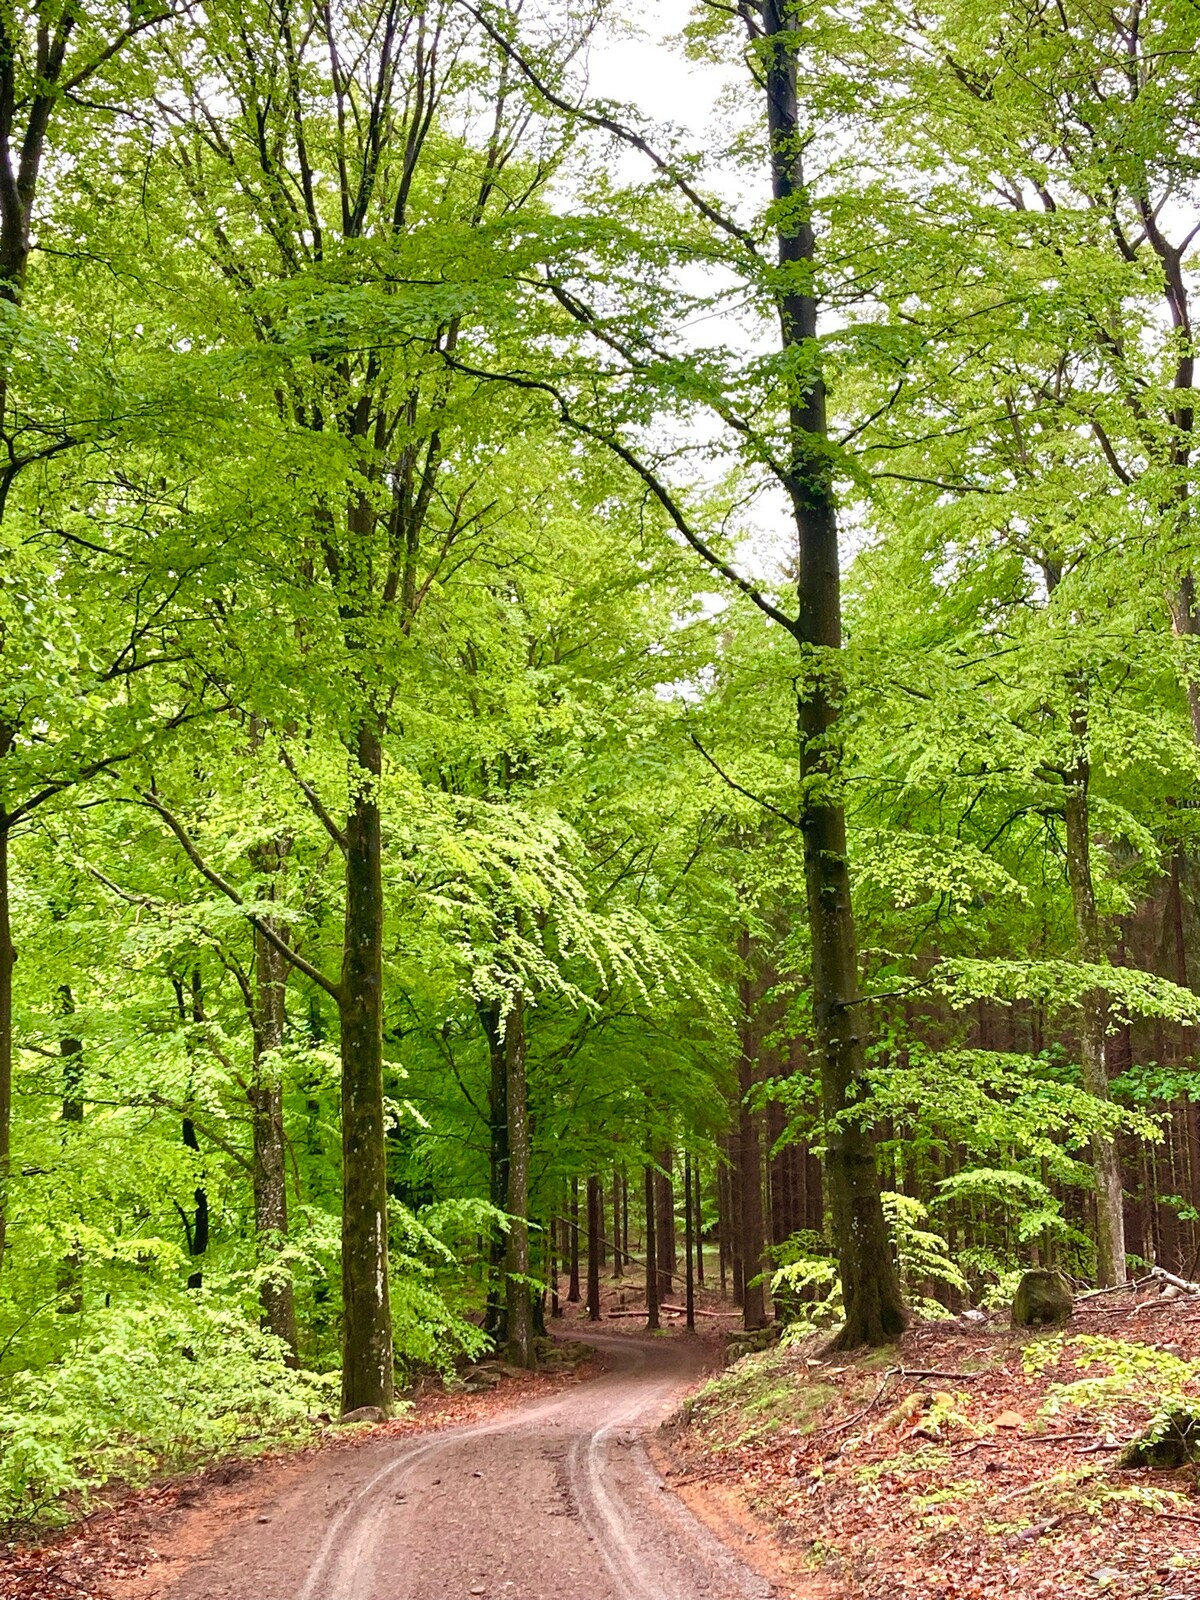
{"points": [[789, 440], [316, 206]]}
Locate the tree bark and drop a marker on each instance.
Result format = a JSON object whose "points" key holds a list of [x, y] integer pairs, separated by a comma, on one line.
{"points": [[8, 957], [518, 1306], [367, 1369], [595, 1227], [490, 1020], [270, 1151], [195, 1227], [1106, 1159], [70, 1272], [664, 1224], [616, 1211], [652, 1319], [874, 1307], [698, 1220], [748, 1173], [573, 1295], [689, 1240]]}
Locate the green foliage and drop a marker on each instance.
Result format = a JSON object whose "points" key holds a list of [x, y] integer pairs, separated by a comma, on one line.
{"points": [[1159, 1387], [810, 1287], [167, 1383]]}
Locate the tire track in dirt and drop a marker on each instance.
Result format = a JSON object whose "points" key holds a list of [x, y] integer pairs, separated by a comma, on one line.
{"points": [[477, 1511]]}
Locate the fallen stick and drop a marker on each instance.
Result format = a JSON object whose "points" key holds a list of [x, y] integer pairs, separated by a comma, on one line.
{"points": [[849, 1422], [1116, 1288], [700, 1311], [934, 1372], [1179, 1283]]}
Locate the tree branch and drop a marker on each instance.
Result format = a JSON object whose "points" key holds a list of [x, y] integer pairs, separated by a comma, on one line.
{"points": [[219, 883], [657, 488]]}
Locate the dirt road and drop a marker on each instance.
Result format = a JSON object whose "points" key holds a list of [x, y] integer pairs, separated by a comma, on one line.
{"points": [[554, 1498]]}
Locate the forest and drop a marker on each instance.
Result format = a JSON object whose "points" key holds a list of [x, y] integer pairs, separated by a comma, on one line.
{"points": [[581, 689]]}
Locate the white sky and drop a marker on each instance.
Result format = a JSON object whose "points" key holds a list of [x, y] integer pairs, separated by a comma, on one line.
{"points": [[649, 71]]}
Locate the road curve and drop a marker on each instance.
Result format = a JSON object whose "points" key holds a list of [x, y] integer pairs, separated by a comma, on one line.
{"points": [[554, 1498]]}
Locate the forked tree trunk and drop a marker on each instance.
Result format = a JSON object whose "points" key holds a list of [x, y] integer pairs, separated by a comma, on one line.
{"points": [[874, 1306], [1093, 1033], [518, 1306], [367, 1370]]}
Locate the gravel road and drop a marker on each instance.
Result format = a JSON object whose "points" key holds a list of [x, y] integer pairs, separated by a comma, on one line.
{"points": [[554, 1498]]}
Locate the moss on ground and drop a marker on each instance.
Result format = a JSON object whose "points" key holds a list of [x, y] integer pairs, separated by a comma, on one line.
{"points": [[757, 1397]]}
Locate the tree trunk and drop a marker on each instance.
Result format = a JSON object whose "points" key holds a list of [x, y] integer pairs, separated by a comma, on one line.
{"points": [[367, 1370], [595, 1227], [8, 957], [573, 1295], [733, 1191], [518, 1307], [553, 1234], [270, 1151], [698, 1221], [874, 1306], [748, 1174], [195, 1227], [689, 1240], [664, 1224], [616, 1211], [1093, 1041], [652, 1320], [70, 1272], [490, 1020]]}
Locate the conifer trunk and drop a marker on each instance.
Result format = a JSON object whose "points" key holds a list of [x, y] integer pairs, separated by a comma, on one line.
{"points": [[367, 1372], [874, 1306]]}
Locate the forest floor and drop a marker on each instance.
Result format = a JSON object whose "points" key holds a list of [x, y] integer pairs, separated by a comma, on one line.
{"points": [[945, 1469]]}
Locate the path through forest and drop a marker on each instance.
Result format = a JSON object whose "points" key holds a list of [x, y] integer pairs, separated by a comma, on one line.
{"points": [[556, 1496]]}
